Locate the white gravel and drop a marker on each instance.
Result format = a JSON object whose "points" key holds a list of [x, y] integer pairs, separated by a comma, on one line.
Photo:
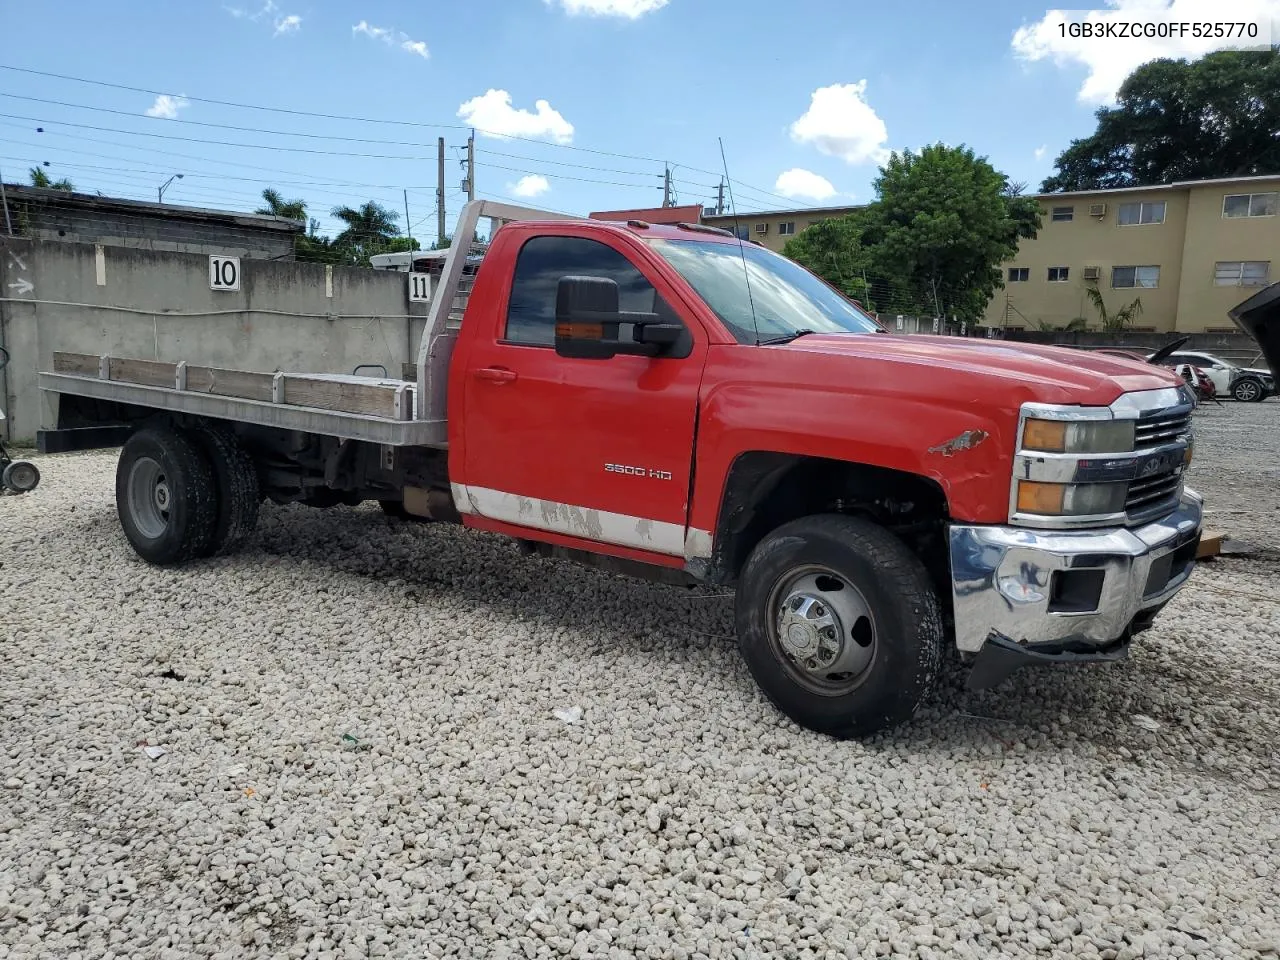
{"points": [[385, 739]]}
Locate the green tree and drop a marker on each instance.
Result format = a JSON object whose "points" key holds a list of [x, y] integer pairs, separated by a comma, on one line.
{"points": [[369, 228], [1113, 322], [1218, 116], [41, 179], [943, 223], [832, 249], [277, 206]]}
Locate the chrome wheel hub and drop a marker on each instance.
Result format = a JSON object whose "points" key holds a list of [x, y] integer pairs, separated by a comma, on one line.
{"points": [[823, 629]]}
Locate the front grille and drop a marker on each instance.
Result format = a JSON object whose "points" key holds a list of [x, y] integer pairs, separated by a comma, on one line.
{"points": [[1155, 496], [1157, 431]]}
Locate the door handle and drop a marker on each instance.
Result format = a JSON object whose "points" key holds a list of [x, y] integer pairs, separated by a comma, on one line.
{"points": [[496, 374]]}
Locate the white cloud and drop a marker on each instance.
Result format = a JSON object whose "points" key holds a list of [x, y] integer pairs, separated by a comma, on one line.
{"points": [[840, 123], [804, 183], [534, 185], [1041, 150], [628, 9], [291, 23], [1111, 59], [392, 38], [493, 115], [167, 107]]}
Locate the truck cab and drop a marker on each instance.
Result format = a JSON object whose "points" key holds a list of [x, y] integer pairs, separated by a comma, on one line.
{"points": [[674, 403]]}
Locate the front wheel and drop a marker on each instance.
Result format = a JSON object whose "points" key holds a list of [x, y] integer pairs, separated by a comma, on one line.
{"points": [[166, 496], [1247, 390], [839, 625]]}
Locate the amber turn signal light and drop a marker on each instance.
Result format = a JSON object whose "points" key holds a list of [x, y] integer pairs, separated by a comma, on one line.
{"points": [[1036, 497], [1047, 435]]}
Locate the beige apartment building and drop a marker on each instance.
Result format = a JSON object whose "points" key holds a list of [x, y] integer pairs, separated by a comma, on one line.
{"points": [[1189, 250], [773, 228]]}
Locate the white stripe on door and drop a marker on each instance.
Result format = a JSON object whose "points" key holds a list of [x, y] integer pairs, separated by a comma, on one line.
{"points": [[619, 529]]}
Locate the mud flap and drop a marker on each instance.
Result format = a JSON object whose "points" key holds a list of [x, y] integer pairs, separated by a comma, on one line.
{"points": [[1259, 317]]}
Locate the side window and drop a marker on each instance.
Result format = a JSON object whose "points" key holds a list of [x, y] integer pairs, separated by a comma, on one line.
{"points": [[531, 314]]}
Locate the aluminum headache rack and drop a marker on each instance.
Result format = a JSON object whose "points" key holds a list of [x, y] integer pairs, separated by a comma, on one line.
{"points": [[378, 410]]}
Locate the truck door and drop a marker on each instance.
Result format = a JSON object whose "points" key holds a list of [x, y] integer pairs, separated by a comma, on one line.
{"points": [[596, 449]]}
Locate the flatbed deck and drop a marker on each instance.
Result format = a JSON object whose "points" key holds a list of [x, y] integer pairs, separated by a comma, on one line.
{"points": [[375, 409]]}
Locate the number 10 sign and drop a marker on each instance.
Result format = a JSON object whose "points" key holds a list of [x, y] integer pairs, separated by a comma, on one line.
{"points": [[224, 273]]}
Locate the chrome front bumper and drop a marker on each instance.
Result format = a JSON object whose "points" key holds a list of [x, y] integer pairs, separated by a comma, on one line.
{"points": [[1077, 588]]}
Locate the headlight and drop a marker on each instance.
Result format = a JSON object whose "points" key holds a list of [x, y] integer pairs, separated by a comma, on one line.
{"points": [[1071, 499], [1078, 436]]}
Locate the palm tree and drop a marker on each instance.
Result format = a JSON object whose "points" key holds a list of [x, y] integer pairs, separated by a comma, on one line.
{"points": [[278, 206], [41, 179], [369, 227], [1113, 322]]}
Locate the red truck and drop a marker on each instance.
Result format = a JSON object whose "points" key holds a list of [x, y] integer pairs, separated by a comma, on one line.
{"points": [[669, 402]]}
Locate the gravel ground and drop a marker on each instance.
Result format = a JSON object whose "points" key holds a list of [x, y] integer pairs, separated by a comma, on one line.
{"points": [[364, 758]]}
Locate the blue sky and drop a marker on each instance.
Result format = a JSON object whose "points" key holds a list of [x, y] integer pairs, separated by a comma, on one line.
{"points": [[808, 96]]}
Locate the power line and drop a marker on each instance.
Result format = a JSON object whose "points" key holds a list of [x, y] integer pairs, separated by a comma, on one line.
{"points": [[342, 117], [184, 156], [561, 176], [220, 126]]}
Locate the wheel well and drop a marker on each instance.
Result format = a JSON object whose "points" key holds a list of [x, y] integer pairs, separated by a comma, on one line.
{"points": [[765, 490]]}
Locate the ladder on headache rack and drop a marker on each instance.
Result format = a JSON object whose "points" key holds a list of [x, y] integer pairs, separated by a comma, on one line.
{"points": [[453, 291]]}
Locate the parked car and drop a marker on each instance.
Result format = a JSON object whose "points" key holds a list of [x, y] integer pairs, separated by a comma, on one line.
{"points": [[1199, 381], [1248, 384]]}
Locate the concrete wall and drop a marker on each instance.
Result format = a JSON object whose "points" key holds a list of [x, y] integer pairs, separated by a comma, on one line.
{"points": [[1237, 347], [41, 214], [156, 305]]}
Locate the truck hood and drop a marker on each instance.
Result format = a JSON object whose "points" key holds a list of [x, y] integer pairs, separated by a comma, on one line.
{"points": [[1051, 374], [1259, 317]]}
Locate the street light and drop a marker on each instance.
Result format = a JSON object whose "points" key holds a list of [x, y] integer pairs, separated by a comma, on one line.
{"points": [[176, 176]]}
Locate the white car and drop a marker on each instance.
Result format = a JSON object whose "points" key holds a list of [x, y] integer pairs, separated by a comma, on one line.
{"points": [[1249, 384]]}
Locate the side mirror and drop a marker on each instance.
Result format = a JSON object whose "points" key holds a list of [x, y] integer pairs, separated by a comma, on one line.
{"points": [[588, 323]]}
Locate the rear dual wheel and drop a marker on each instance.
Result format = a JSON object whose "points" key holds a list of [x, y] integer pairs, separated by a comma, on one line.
{"points": [[184, 494]]}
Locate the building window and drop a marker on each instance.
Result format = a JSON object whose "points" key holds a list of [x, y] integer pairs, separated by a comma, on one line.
{"points": [[1063, 214], [787, 228], [1249, 205], [531, 312], [1241, 273], [1132, 214], [1057, 274], [762, 228], [1135, 277], [1019, 274]]}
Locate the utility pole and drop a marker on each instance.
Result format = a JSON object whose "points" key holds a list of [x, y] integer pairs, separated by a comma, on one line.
{"points": [[471, 166], [720, 197], [666, 185], [440, 194], [408, 230]]}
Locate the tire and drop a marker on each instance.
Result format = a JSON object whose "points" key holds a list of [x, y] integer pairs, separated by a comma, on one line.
{"points": [[20, 476], [880, 613], [236, 479], [166, 496], [1248, 390]]}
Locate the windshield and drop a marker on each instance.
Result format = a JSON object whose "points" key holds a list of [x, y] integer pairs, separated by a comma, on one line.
{"points": [[787, 298]]}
